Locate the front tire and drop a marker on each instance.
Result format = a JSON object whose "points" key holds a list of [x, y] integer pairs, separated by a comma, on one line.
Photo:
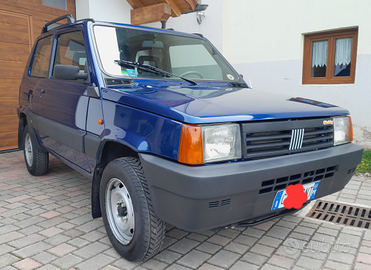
{"points": [[131, 224], [37, 159]]}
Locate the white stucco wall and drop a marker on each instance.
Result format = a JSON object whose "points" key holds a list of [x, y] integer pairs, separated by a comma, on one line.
{"points": [[280, 24], [107, 10], [264, 41]]}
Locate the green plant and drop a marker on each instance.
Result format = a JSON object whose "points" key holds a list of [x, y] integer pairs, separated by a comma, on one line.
{"points": [[365, 165]]}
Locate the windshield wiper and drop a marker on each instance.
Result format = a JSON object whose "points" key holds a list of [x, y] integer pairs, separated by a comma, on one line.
{"points": [[149, 68]]}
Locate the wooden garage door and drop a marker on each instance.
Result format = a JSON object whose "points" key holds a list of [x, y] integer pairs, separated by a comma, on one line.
{"points": [[15, 46], [21, 22]]}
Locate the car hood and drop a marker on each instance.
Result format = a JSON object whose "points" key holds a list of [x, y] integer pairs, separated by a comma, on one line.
{"points": [[211, 103]]}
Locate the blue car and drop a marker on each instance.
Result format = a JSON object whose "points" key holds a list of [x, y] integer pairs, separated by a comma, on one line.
{"points": [[169, 132]]}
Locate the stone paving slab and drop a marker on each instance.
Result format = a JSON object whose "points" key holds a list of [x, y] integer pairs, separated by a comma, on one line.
{"points": [[45, 223]]}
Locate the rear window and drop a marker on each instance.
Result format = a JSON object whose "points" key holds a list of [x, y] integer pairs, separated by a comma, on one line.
{"points": [[41, 60]]}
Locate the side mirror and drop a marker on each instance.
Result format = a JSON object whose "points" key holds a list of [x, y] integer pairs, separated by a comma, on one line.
{"points": [[64, 72]]}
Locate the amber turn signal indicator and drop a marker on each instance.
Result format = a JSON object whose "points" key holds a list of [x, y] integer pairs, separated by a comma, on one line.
{"points": [[190, 148], [100, 122], [351, 128]]}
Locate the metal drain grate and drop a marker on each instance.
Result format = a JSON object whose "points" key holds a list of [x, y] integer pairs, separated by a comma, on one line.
{"points": [[343, 214]]}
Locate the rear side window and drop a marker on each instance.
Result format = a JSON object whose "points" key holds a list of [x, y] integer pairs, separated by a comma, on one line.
{"points": [[41, 61], [71, 50]]}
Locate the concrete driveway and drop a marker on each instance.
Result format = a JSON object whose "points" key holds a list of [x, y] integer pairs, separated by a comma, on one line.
{"points": [[45, 223]]}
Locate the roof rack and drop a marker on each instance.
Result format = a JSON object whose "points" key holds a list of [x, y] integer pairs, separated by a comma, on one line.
{"points": [[69, 18]]}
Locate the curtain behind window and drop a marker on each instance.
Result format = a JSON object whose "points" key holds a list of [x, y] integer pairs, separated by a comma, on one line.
{"points": [[343, 51], [319, 53]]}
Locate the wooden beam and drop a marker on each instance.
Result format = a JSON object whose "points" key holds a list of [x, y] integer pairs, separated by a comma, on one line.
{"points": [[176, 12], [149, 14], [191, 3], [135, 3]]}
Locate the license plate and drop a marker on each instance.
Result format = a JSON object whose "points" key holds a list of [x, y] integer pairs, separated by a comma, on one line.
{"points": [[310, 189]]}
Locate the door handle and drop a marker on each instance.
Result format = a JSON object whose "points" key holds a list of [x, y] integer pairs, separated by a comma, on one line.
{"points": [[42, 92]]}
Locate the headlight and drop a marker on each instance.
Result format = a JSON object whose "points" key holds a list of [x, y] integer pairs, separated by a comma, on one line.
{"points": [[221, 142], [343, 130], [212, 143]]}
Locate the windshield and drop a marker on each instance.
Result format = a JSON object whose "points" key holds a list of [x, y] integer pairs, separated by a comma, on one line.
{"points": [[188, 57]]}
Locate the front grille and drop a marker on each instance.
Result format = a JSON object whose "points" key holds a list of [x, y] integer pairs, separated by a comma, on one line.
{"points": [[269, 139], [301, 178]]}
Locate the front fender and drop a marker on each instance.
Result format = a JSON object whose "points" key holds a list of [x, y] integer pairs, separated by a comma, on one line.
{"points": [[140, 130]]}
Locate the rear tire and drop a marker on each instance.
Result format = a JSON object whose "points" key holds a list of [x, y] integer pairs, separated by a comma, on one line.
{"points": [[37, 159], [131, 224]]}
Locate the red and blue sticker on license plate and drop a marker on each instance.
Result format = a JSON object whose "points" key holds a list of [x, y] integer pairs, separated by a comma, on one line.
{"points": [[294, 196]]}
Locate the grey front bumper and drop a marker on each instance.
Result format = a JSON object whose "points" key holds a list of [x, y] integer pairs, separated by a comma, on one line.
{"points": [[196, 198]]}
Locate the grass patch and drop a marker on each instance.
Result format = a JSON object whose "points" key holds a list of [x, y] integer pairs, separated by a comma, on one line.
{"points": [[365, 166]]}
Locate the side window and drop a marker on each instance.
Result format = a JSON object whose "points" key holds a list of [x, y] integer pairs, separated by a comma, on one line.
{"points": [[62, 4], [71, 50], [41, 61]]}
